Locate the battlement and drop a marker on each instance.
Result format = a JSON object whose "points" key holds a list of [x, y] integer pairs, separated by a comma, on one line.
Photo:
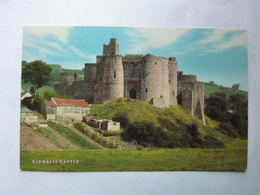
{"points": [[186, 78], [172, 59], [112, 48]]}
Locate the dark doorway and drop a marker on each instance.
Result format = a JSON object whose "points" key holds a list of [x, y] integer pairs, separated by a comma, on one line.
{"points": [[132, 93]]}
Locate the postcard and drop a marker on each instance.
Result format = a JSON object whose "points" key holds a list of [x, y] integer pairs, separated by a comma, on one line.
{"points": [[133, 99]]}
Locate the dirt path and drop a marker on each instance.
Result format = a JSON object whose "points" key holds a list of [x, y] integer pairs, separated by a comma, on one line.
{"points": [[31, 140], [87, 138]]}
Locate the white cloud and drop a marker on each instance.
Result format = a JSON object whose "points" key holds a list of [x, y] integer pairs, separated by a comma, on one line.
{"points": [[216, 40], [236, 40], [144, 39], [61, 33], [82, 54]]}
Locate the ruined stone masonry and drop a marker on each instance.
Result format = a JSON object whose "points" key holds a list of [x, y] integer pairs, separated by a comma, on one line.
{"points": [[153, 79]]}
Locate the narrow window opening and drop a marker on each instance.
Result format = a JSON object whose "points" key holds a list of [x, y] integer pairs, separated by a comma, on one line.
{"points": [[114, 74], [146, 90], [173, 93]]}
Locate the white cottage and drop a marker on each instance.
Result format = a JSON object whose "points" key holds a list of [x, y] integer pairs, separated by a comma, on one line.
{"points": [[65, 108]]}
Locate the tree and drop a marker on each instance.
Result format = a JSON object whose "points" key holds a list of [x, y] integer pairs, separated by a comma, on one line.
{"points": [[236, 86], [24, 64], [211, 83], [37, 72]]}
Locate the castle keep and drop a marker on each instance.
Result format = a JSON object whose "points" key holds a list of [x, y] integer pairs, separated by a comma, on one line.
{"points": [[153, 79]]}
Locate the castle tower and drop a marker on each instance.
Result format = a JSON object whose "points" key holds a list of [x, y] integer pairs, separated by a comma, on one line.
{"points": [[154, 86], [191, 95], [173, 67], [109, 74], [113, 78], [112, 48]]}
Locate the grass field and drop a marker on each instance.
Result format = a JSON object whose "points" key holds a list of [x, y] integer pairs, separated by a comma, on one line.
{"points": [[209, 89], [232, 158]]}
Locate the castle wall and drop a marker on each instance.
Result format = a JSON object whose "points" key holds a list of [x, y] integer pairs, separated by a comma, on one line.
{"points": [[199, 101], [83, 90], [90, 72], [67, 78], [133, 68]]}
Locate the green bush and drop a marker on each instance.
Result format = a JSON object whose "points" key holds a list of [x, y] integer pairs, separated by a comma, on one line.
{"points": [[111, 133], [148, 135], [94, 135]]}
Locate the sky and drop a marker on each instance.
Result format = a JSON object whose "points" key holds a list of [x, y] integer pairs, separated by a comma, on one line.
{"points": [[218, 55]]}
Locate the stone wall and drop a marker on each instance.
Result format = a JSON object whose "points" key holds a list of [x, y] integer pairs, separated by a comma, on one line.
{"points": [[67, 78], [191, 95], [133, 66]]}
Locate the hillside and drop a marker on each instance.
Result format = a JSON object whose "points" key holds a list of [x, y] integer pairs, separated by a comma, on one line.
{"points": [[173, 125], [211, 88]]}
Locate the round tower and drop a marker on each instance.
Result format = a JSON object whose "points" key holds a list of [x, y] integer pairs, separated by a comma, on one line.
{"points": [[155, 84], [113, 78]]}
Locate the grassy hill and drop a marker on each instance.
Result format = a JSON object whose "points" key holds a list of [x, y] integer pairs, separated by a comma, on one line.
{"points": [[211, 88], [173, 122]]}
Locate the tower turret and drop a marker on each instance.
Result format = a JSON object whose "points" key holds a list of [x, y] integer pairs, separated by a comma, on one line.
{"points": [[112, 48]]}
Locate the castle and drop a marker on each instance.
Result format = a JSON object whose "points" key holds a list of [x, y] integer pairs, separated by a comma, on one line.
{"points": [[153, 79]]}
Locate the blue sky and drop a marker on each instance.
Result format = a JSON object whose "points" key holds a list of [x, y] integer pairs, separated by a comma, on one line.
{"points": [[211, 54]]}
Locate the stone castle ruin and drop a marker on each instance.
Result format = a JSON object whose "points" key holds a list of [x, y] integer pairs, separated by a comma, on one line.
{"points": [[153, 79]]}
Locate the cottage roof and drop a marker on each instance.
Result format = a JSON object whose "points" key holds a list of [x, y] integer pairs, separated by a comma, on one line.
{"points": [[50, 103], [88, 117], [69, 102]]}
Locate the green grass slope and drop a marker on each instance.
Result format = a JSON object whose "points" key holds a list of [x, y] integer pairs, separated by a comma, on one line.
{"points": [[174, 120], [209, 89]]}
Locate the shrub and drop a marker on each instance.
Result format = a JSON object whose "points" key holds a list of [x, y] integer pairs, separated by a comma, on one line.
{"points": [[94, 135], [122, 119], [148, 135], [111, 133]]}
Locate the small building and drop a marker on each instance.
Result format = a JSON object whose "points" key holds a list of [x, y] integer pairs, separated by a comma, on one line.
{"points": [[28, 116], [103, 124], [25, 94], [58, 108]]}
